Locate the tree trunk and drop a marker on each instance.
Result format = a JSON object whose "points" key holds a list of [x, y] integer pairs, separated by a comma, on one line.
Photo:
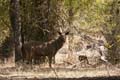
{"points": [[16, 27]]}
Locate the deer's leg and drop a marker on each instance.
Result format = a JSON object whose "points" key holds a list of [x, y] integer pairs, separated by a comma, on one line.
{"points": [[27, 58], [87, 60], [35, 60], [50, 61], [53, 59], [30, 58], [24, 59], [42, 59], [24, 56]]}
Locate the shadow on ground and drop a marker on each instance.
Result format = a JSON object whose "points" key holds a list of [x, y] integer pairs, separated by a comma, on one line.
{"points": [[82, 78]]}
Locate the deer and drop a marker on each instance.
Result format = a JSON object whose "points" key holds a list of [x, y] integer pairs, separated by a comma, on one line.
{"points": [[47, 49]]}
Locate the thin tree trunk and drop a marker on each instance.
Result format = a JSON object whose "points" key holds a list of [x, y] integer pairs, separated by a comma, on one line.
{"points": [[16, 27]]}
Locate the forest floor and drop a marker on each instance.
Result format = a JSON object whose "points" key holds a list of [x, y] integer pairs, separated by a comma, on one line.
{"points": [[37, 72]]}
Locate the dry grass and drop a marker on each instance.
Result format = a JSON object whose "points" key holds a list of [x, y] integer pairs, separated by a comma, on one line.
{"points": [[36, 71]]}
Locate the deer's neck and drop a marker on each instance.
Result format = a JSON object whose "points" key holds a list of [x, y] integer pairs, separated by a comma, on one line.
{"points": [[59, 43]]}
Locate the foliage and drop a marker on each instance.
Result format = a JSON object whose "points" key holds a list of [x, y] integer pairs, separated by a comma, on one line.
{"points": [[38, 19], [6, 47], [4, 19], [90, 14]]}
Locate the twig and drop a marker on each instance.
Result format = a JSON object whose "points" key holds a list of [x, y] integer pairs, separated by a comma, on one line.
{"points": [[107, 69], [57, 77]]}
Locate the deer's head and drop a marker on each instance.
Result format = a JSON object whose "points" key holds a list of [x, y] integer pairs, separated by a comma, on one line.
{"points": [[63, 35]]}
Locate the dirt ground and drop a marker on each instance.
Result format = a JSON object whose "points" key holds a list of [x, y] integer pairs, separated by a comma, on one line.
{"points": [[38, 72]]}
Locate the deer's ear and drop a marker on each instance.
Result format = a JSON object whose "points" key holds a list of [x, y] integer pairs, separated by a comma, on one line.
{"points": [[67, 33], [59, 33]]}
